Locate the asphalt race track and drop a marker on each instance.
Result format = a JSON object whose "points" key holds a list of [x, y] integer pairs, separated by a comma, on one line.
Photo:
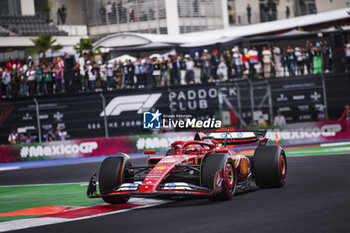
{"points": [[316, 198]]}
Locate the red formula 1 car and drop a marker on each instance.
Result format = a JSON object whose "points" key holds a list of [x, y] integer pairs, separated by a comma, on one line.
{"points": [[200, 167]]}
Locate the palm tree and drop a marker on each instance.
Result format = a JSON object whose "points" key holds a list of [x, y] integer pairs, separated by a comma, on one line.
{"points": [[43, 43], [85, 45]]}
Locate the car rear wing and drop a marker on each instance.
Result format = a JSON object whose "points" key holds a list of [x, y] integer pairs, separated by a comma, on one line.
{"points": [[237, 138]]}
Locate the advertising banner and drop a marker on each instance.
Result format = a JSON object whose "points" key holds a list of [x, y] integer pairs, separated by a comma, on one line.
{"points": [[306, 133], [300, 133], [90, 147]]}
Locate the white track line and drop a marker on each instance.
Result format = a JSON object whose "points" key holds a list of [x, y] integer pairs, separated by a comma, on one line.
{"points": [[35, 222], [9, 168], [319, 151], [335, 144], [48, 184]]}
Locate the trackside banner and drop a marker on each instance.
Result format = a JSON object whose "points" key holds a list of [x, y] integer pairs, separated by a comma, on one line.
{"points": [[89, 147], [321, 131], [312, 132]]}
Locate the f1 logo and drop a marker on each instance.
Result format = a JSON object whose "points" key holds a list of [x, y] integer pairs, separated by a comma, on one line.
{"points": [[152, 120], [139, 103]]}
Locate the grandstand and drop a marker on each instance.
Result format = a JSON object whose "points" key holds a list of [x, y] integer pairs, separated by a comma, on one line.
{"points": [[28, 26]]}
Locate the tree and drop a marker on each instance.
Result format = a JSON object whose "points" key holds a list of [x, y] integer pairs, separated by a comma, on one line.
{"points": [[85, 45], [43, 43]]}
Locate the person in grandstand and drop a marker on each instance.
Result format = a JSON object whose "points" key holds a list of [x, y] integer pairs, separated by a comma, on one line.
{"points": [[249, 13], [99, 76], [317, 58], [31, 78], [59, 135], [279, 120], [229, 63], [118, 74], [30, 62], [237, 62], [13, 137], [164, 72], [138, 73], [6, 80], [148, 71], [50, 135], [346, 113], [174, 71], [47, 80], [110, 80], [156, 71], [277, 56], [267, 60], [253, 62], [39, 79], [92, 72], [23, 88], [189, 69], [76, 85], [206, 65], [299, 59], [214, 62], [28, 139], [291, 60], [183, 70], [222, 70], [58, 77]]}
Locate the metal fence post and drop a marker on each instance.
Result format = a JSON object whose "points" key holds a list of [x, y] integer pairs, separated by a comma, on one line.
{"points": [[252, 105], [38, 118], [104, 114], [270, 102], [324, 95], [220, 101], [239, 105]]}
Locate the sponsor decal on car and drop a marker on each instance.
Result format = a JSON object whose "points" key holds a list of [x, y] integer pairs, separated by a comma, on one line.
{"points": [[132, 187], [170, 186]]}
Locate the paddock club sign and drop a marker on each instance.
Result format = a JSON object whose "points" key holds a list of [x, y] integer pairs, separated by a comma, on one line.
{"points": [[198, 99]]}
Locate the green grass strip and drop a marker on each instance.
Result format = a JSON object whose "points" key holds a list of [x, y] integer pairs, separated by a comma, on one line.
{"points": [[14, 198]]}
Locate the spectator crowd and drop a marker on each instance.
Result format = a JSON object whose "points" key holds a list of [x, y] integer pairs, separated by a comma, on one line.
{"points": [[85, 75], [26, 138]]}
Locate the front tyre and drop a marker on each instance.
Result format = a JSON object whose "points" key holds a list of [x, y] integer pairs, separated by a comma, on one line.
{"points": [[111, 175], [219, 174], [270, 167]]}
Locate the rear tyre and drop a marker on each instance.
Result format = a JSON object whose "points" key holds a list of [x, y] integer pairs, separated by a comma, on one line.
{"points": [[219, 174], [270, 166], [111, 175]]}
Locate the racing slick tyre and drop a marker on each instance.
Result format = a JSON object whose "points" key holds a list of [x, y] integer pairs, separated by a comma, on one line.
{"points": [[219, 174], [111, 175], [270, 166]]}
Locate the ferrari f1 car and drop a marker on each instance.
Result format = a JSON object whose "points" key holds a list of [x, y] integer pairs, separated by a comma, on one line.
{"points": [[201, 167]]}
